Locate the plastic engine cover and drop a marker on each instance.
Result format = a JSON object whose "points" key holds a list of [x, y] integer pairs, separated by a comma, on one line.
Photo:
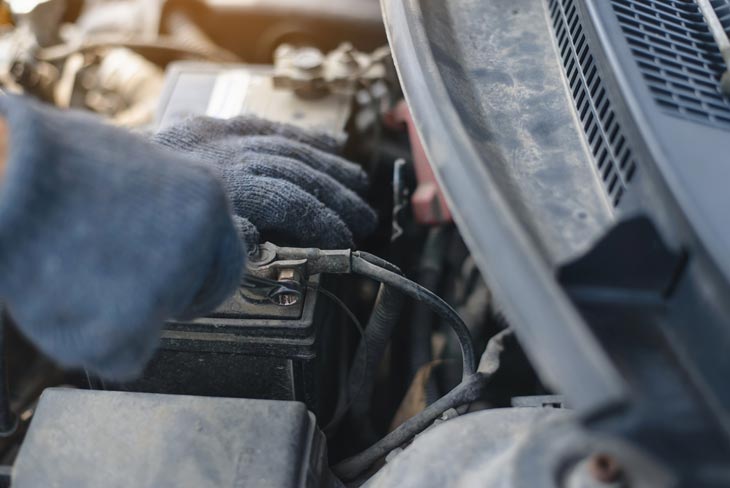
{"points": [[117, 439]]}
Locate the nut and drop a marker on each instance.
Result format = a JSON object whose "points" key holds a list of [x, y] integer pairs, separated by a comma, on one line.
{"points": [[288, 275]]}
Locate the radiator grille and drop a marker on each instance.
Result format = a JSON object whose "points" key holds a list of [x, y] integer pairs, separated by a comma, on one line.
{"points": [[677, 55], [613, 156]]}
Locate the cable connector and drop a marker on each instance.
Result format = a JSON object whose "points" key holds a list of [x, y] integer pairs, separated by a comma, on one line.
{"points": [[309, 261]]}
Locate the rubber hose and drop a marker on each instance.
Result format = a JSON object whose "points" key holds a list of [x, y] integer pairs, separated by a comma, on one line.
{"points": [[429, 276], [370, 351]]}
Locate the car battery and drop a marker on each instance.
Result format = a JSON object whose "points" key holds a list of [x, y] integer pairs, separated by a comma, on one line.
{"points": [[252, 348], [224, 91]]}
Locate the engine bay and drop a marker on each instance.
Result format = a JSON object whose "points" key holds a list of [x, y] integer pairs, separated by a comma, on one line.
{"points": [[305, 326], [395, 363]]}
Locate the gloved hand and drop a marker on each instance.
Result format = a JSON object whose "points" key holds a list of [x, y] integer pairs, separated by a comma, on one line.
{"points": [[104, 235], [285, 184]]}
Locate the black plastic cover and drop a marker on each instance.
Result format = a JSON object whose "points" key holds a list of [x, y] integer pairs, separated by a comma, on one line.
{"points": [[85, 439]]}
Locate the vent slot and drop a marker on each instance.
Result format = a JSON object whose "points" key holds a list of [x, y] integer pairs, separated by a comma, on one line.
{"points": [[678, 56], [613, 157]]}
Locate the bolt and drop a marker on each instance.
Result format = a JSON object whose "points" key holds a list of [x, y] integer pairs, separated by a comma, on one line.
{"points": [[287, 276]]}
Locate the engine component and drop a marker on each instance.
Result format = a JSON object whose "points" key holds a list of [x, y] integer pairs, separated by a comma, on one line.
{"points": [[312, 74], [116, 439], [42, 17], [515, 447], [314, 261], [469, 390], [224, 92], [278, 344], [474, 449], [252, 347], [272, 260], [117, 83], [370, 351], [428, 201]]}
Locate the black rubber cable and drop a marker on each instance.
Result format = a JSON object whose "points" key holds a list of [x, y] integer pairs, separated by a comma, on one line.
{"points": [[469, 390], [378, 269], [378, 261], [466, 392]]}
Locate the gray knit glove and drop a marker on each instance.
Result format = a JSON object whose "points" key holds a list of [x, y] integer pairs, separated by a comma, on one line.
{"points": [[285, 184], [104, 236]]}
